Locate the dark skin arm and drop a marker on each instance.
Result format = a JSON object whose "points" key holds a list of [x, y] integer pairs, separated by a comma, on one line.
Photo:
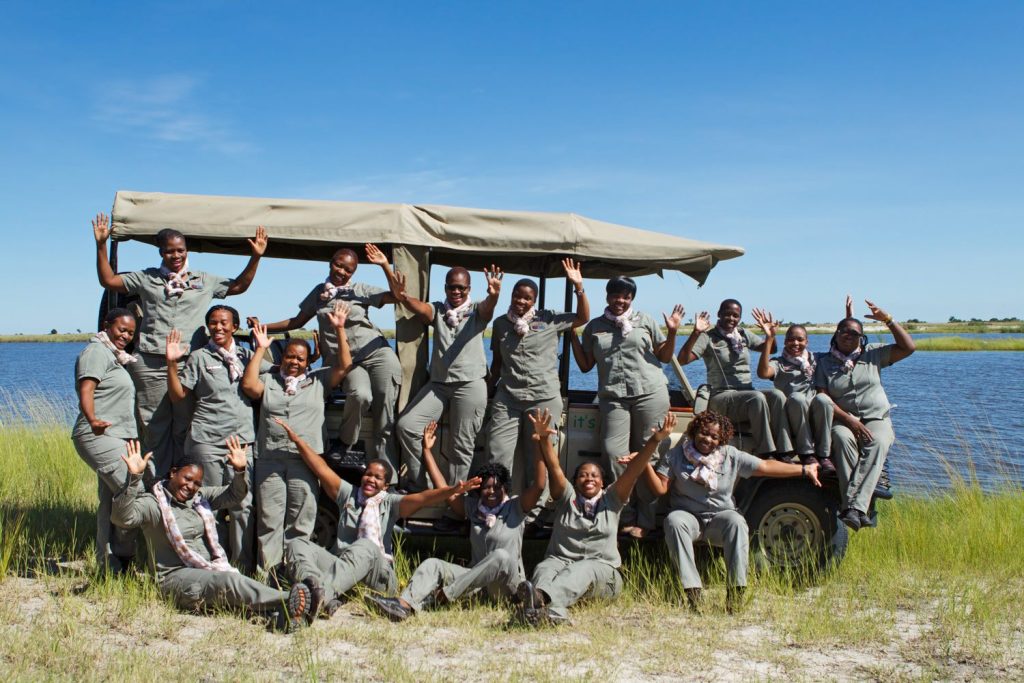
{"points": [[414, 502], [665, 349], [530, 495], [251, 384], [575, 276], [434, 472], [175, 391], [258, 245], [701, 324], [769, 326], [584, 360], [638, 464], [296, 322], [542, 435], [87, 403], [486, 308], [344, 364], [423, 311], [904, 342], [327, 477], [107, 277]]}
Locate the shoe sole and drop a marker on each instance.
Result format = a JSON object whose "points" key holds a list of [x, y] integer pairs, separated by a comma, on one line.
{"points": [[298, 606]]}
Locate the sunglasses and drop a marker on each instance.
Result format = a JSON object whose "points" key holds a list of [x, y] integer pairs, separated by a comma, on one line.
{"points": [[849, 332], [457, 288]]}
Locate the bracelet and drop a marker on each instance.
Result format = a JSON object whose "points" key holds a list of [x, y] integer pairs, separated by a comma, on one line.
{"points": [[580, 292], [803, 470], [888, 321]]}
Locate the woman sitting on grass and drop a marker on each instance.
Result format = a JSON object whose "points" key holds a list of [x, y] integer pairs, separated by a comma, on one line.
{"points": [[862, 433], [106, 420], [495, 535], [362, 551], [700, 474], [582, 558], [191, 566]]}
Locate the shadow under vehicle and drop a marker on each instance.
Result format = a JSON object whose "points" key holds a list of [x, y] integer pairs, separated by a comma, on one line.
{"points": [[792, 523]]}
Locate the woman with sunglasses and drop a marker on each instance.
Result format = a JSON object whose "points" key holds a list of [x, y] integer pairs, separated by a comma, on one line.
{"points": [[862, 431]]}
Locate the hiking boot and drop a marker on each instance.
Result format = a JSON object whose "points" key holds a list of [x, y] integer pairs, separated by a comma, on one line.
{"points": [[392, 608], [866, 522], [317, 596], [851, 518], [293, 616], [828, 468]]}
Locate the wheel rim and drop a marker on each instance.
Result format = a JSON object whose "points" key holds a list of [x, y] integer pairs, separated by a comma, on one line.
{"points": [[790, 535]]}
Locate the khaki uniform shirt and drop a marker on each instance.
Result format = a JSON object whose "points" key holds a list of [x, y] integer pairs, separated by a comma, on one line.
{"points": [[574, 537], [458, 354], [727, 369], [303, 411], [114, 396], [529, 364], [626, 367], [694, 497], [858, 392], [185, 312], [363, 336], [350, 511]]}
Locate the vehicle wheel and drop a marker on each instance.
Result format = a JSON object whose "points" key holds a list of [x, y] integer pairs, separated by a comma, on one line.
{"points": [[325, 528], [795, 527]]}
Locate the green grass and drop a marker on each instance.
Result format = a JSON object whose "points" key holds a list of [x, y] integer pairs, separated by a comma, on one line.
{"points": [[932, 593], [969, 344]]}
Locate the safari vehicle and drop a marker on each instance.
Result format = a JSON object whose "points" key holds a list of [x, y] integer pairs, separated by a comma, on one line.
{"points": [[791, 522]]}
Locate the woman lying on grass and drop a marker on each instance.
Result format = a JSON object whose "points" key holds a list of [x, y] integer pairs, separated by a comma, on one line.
{"points": [[699, 474], [362, 551], [495, 534], [582, 558], [191, 566]]}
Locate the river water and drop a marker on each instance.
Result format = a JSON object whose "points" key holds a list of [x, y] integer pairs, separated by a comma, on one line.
{"points": [[955, 412]]}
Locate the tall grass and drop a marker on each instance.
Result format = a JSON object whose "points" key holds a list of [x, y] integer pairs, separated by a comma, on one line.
{"points": [[969, 344]]}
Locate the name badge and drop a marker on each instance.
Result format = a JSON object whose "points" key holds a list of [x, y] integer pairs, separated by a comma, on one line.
{"points": [[537, 327]]}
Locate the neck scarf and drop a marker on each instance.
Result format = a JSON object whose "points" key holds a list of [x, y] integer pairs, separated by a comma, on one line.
{"points": [[369, 520], [707, 466], [847, 361], [291, 384], [589, 505], [621, 321], [805, 361], [522, 323], [120, 355], [230, 357], [190, 557], [734, 338], [177, 282], [455, 315], [490, 515], [332, 290]]}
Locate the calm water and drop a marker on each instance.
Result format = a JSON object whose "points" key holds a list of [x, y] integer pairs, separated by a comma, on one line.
{"points": [[951, 408]]}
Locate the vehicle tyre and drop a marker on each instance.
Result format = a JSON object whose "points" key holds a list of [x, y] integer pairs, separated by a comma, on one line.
{"points": [[794, 527]]}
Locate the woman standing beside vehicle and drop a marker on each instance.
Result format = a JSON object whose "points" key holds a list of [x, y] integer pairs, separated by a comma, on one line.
{"points": [[172, 297], [106, 421]]}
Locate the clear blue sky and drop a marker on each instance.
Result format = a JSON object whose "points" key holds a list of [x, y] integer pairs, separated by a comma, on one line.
{"points": [[875, 148]]}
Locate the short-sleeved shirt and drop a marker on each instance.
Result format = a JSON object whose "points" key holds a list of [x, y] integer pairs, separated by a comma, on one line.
{"points": [[114, 397], [529, 368], [162, 313], [349, 512], [506, 534], [575, 537], [790, 378], [458, 354], [303, 411], [363, 336], [626, 366], [222, 408], [858, 392], [695, 497], [726, 368]]}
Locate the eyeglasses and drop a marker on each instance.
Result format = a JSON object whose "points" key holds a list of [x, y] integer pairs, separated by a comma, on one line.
{"points": [[457, 288]]}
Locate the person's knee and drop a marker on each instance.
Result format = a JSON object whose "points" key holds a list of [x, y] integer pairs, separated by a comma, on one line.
{"points": [[734, 526], [680, 524], [798, 400], [504, 560], [823, 402]]}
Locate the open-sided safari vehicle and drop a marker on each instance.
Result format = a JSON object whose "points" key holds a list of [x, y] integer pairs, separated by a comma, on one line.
{"points": [[791, 522]]}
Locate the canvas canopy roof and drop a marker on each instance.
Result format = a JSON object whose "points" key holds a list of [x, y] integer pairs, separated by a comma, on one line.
{"points": [[527, 242]]}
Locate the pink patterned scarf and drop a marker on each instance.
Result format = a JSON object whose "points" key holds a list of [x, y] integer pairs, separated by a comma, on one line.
{"points": [[623, 321], [120, 355], [190, 557], [707, 466], [332, 290], [804, 361], [230, 357], [291, 384], [734, 338], [177, 282], [490, 515], [522, 323], [455, 315], [589, 505], [847, 361], [369, 520]]}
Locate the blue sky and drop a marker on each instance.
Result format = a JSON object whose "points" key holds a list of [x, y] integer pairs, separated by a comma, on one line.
{"points": [[875, 148]]}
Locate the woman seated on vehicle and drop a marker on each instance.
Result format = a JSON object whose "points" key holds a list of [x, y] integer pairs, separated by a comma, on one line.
{"points": [[495, 534], [191, 566], [106, 420], [376, 375], [862, 431], [582, 559], [628, 348], [172, 297], [213, 379], [524, 371], [362, 551], [286, 488], [699, 475], [725, 349]]}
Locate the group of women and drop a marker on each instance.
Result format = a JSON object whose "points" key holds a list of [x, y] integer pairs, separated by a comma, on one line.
{"points": [[189, 394]]}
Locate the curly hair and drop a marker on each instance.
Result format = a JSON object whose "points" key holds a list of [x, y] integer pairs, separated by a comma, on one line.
{"points": [[706, 419], [496, 470]]}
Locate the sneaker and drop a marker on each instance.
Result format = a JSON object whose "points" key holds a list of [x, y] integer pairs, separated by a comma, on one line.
{"points": [[851, 518], [391, 608]]}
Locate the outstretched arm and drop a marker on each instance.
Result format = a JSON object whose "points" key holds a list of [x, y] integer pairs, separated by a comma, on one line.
{"points": [[664, 351], [904, 343], [328, 478], [769, 326], [774, 468], [128, 511], [296, 322], [258, 245], [574, 275], [623, 486], [376, 256], [542, 435], [423, 311], [531, 494], [486, 308], [343, 363], [701, 324], [173, 354], [107, 277], [413, 502]]}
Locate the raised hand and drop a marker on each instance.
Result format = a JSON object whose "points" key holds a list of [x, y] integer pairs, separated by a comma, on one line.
{"points": [[672, 320], [262, 338], [376, 256], [466, 486], [174, 350], [849, 306], [493, 277], [398, 286], [702, 323], [664, 430], [572, 272], [541, 424], [626, 459], [101, 228], [430, 436], [765, 321], [287, 429], [236, 453], [259, 243], [877, 313], [134, 459], [339, 314], [252, 321]]}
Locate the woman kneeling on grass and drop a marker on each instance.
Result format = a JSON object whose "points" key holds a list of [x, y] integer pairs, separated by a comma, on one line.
{"points": [[495, 534], [191, 566], [700, 474], [362, 551], [582, 559]]}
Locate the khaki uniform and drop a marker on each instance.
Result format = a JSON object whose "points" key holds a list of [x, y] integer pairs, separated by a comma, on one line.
{"points": [[808, 413]]}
